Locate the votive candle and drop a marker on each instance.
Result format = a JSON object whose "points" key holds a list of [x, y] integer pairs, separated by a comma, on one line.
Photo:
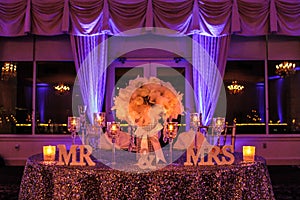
{"points": [[171, 127], [248, 153], [49, 153]]}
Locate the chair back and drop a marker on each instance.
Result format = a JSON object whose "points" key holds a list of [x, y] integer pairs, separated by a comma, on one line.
{"points": [[226, 137]]}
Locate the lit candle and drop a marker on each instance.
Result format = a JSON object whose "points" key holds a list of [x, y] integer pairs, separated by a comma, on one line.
{"points": [[101, 119], [248, 153], [49, 153], [73, 123], [195, 118], [170, 127], [114, 127], [219, 122]]}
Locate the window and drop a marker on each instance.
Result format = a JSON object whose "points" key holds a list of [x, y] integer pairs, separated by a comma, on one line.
{"points": [[248, 107], [284, 97], [247, 66], [16, 98], [54, 96]]}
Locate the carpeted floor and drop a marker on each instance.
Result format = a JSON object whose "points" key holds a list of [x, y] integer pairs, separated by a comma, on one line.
{"points": [[285, 181], [10, 180]]}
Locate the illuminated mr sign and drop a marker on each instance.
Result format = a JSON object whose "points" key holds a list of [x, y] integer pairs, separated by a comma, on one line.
{"points": [[70, 158]]}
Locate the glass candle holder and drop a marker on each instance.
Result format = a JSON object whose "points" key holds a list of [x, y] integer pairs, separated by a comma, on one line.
{"points": [[99, 119], [219, 124], [113, 129], [171, 130], [170, 134], [194, 120], [248, 153], [49, 153], [73, 127], [82, 109]]}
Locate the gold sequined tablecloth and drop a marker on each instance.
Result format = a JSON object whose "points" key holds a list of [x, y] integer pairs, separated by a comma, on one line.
{"points": [[238, 181]]}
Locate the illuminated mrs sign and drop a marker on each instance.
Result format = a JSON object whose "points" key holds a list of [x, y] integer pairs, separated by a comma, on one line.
{"points": [[217, 155], [85, 152]]}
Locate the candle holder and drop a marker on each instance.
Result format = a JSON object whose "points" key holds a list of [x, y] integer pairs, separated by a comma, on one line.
{"points": [[99, 124], [196, 125], [99, 119], [49, 153], [73, 127], [170, 134], [248, 153], [113, 130], [218, 127], [194, 121]]}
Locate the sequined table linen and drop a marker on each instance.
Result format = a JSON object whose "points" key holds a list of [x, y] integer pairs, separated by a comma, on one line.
{"points": [[238, 181]]}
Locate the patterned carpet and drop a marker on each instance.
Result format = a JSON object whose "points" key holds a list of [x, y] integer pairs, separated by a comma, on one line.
{"points": [[285, 180], [9, 191]]}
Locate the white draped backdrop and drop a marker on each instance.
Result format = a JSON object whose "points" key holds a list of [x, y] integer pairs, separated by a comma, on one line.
{"points": [[209, 62], [90, 55]]}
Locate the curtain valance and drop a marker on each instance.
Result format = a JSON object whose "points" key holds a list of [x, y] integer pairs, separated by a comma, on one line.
{"points": [[205, 17]]}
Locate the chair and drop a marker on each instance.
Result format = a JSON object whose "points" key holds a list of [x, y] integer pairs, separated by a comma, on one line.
{"points": [[222, 138]]}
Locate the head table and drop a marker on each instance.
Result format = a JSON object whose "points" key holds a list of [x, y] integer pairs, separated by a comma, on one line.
{"points": [[43, 180]]}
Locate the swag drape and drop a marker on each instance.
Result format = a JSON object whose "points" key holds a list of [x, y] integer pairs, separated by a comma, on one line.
{"points": [[208, 17], [210, 22]]}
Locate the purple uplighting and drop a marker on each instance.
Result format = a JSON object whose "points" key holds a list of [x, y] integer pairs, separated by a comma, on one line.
{"points": [[279, 99], [42, 90], [260, 88]]}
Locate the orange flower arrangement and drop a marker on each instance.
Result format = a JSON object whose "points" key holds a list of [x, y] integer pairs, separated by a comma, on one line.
{"points": [[144, 101]]}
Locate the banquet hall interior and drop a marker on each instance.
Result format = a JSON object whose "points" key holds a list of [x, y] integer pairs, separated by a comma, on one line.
{"points": [[236, 60]]}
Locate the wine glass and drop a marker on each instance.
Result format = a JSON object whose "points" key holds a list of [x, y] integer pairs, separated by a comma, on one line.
{"points": [[194, 120], [73, 127], [219, 126], [99, 119], [82, 116], [170, 134], [113, 130]]}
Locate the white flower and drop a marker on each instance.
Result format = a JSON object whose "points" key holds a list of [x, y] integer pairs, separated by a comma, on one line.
{"points": [[145, 101]]}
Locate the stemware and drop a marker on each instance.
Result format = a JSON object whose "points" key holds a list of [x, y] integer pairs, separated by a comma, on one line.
{"points": [[99, 123], [113, 130], [99, 119], [218, 127], [73, 127], [170, 134], [194, 120], [82, 116]]}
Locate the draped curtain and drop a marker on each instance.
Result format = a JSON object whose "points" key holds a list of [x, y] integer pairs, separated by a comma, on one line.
{"points": [[207, 17], [209, 61], [210, 22], [90, 56]]}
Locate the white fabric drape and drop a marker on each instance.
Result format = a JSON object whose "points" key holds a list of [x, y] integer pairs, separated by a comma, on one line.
{"points": [[209, 62], [90, 55]]}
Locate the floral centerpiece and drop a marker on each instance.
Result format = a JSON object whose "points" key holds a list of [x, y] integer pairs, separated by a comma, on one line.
{"points": [[145, 100], [143, 103]]}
